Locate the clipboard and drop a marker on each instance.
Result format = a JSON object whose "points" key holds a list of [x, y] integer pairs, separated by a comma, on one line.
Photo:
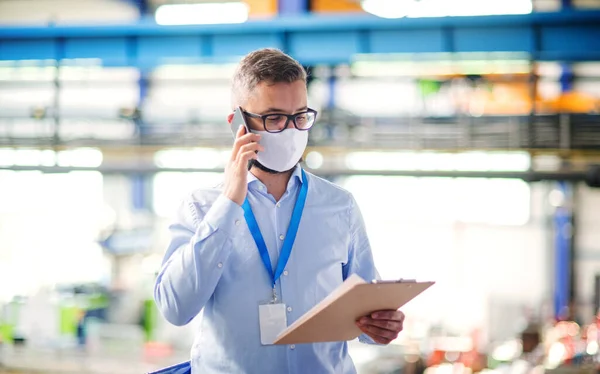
{"points": [[334, 318]]}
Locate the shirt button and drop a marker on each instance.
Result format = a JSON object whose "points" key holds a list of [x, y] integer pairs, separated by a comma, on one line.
{"points": [[220, 265], [289, 308], [237, 222], [292, 346], [278, 205], [285, 272], [281, 237], [260, 187]]}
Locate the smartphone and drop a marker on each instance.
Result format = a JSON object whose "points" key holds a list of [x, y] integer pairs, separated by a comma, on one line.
{"points": [[238, 119]]}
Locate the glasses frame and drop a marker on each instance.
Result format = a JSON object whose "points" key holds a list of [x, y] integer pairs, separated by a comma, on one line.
{"points": [[290, 117]]}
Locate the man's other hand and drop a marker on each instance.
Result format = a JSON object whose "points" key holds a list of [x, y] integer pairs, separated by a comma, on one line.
{"points": [[382, 326]]}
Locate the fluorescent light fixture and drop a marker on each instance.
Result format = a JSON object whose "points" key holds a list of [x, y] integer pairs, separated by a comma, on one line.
{"points": [[445, 8], [198, 158], [439, 161], [441, 66], [387, 8], [192, 72], [202, 13], [80, 157]]}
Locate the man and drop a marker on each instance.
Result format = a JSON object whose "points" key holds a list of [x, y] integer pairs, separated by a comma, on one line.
{"points": [[269, 244]]}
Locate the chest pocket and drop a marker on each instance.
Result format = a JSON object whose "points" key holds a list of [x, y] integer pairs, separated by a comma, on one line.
{"points": [[245, 254], [325, 251]]}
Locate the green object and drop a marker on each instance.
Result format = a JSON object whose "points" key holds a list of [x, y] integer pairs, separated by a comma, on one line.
{"points": [[97, 301], [69, 317], [149, 320], [429, 87], [8, 321], [7, 333]]}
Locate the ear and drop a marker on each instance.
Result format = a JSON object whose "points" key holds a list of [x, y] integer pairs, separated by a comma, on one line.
{"points": [[229, 118]]}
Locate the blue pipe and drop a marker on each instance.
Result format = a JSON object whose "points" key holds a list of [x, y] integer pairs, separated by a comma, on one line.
{"points": [[292, 7], [562, 253], [566, 78]]}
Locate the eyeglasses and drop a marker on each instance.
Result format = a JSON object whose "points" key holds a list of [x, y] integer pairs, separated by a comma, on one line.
{"points": [[277, 122]]}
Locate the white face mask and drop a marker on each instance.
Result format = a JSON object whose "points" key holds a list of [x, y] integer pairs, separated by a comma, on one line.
{"points": [[282, 150]]}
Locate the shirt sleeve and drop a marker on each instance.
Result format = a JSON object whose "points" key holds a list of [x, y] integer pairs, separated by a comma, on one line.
{"points": [[195, 258], [360, 257]]}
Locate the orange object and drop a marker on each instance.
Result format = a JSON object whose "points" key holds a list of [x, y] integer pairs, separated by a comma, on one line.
{"points": [[495, 99], [157, 350], [436, 357], [262, 8], [576, 102], [336, 6]]}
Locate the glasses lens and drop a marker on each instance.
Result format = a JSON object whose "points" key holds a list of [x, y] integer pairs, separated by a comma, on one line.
{"points": [[305, 120], [275, 122]]}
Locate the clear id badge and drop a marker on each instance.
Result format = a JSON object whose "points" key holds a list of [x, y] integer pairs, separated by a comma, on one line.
{"points": [[273, 320]]}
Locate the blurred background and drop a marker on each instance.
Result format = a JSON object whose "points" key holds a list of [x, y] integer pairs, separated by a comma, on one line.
{"points": [[468, 131]]}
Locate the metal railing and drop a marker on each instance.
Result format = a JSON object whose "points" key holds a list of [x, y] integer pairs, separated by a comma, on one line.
{"points": [[549, 132]]}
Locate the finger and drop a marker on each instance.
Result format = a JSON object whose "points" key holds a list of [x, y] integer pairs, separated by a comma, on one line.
{"points": [[245, 157], [251, 147], [381, 340], [390, 315], [395, 326], [374, 331], [244, 139], [245, 151], [376, 338], [248, 138]]}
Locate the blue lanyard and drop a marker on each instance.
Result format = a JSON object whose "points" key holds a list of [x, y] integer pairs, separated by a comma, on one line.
{"points": [[288, 242]]}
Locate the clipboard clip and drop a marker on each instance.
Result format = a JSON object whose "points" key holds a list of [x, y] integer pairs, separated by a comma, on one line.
{"points": [[401, 280]]}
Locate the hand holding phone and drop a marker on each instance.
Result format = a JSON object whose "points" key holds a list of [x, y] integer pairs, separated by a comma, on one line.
{"points": [[244, 149]]}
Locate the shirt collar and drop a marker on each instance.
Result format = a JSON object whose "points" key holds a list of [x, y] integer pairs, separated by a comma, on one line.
{"points": [[296, 175]]}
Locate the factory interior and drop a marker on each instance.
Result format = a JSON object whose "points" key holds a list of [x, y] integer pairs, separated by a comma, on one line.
{"points": [[468, 131]]}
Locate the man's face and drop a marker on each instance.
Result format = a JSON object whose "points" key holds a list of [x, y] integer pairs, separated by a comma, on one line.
{"points": [[284, 98], [278, 98]]}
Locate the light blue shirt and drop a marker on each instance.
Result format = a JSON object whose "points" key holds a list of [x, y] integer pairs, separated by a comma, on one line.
{"points": [[212, 263]]}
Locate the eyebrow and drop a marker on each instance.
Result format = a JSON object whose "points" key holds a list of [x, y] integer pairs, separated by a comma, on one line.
{"points": [[279, 110]]}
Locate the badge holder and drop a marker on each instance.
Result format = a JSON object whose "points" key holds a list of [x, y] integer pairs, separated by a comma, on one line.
{"points": [[272, 318]]}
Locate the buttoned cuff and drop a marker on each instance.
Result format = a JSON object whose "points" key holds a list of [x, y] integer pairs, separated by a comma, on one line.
{"points": [[225, 215]]}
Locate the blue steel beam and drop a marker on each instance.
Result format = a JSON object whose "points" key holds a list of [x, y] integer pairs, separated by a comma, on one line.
{"points": [[567, 36]]}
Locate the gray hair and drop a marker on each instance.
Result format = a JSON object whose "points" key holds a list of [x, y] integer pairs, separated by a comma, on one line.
{"points": [[267, 65]]}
